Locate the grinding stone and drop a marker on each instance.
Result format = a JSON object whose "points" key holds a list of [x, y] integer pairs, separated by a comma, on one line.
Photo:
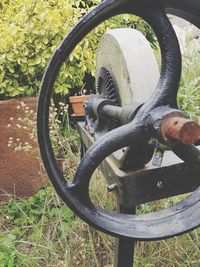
{"points": [[127, 54]]}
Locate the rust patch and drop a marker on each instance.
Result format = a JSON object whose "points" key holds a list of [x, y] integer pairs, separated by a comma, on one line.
{"points": [[180, 129]]}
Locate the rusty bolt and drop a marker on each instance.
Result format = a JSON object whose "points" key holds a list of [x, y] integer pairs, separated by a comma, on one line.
{"points": [[180, 129]]}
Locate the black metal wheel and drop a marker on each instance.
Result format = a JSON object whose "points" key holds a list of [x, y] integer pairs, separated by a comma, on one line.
{"points": [[166, 223]]}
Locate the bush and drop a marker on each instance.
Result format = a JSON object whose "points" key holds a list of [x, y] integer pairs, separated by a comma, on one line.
{"points": [[31, 30]]}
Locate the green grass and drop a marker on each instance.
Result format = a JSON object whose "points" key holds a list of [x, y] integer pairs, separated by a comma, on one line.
{"points": [[189, 91], [42, 231]]}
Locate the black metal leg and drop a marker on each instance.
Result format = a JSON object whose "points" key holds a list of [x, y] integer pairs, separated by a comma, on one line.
{"points": [[124, 247]]}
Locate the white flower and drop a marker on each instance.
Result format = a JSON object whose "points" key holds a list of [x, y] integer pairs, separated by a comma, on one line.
{"points": [[22, 104], [18, 149]]}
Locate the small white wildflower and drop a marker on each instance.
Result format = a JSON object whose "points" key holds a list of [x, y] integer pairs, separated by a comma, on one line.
{"points": [[11, 118], [19, 119], [18, 107], [18, 149], [18, 139], [27, 148], [9, 125], [25, 127], [18, 126], [9, 145], [22, 104], [31, 111], [10, 138]]}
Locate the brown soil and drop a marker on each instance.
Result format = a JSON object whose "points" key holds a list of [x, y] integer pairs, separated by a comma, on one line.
{"points": [[19, 171]]}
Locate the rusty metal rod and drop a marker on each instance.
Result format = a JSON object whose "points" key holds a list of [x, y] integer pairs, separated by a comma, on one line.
{"points": [[180, 129]]}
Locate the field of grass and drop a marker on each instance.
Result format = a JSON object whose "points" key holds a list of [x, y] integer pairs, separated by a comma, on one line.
{"points": [[42, 231]]}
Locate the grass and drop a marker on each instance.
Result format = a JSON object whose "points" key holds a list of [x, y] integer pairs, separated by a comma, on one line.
{"points": [[42, 231], [189, 91]]}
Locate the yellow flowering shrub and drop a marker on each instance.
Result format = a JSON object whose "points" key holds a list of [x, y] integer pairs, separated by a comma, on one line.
{"points": [[30, 30]]}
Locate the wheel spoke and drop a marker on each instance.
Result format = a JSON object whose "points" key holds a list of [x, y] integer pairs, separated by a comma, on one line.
{"points": [[127, 135], [188, 153]]}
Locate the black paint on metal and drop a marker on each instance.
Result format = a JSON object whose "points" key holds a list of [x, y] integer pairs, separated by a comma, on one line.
{"points": [[124, 247], [139, 186]]}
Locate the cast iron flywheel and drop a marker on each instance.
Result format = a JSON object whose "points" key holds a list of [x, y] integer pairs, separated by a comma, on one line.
{"points": [[180, 218]]}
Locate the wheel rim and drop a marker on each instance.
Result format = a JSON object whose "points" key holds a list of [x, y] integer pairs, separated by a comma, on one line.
{"points": [[145, 227]]}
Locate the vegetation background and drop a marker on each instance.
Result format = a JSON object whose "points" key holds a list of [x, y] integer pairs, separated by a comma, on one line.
{"points": [[30, 31], [41, 230]]}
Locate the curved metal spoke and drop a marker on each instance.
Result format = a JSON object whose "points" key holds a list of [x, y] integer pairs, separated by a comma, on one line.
{"points": [[127, 135], [165, 93], [188, 153]]}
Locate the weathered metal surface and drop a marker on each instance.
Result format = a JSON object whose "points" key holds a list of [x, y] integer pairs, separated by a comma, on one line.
{"points": [[180, 129], [150, 183], [124, 247], [142, 130]]}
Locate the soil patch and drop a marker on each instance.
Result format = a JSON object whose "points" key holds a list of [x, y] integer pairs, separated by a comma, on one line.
{"points": [[19, 171]]}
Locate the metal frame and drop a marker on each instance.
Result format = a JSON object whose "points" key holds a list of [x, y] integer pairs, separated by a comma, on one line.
{"points": [[146, 125]]}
